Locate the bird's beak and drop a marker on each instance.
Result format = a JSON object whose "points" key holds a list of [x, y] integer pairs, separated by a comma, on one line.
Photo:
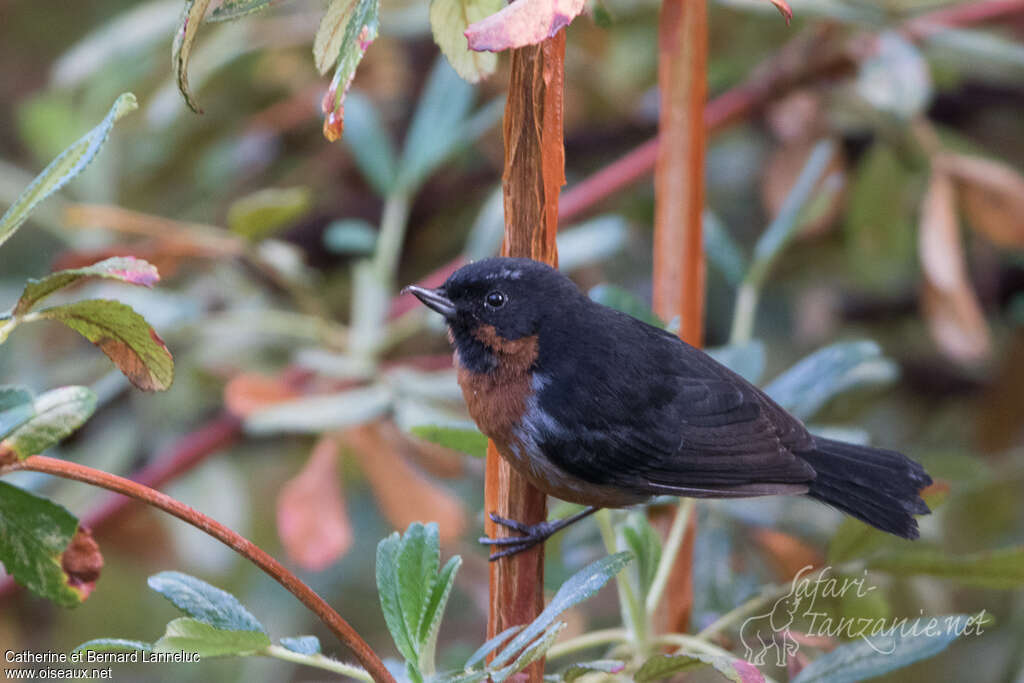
{"points": [[433, 299]]}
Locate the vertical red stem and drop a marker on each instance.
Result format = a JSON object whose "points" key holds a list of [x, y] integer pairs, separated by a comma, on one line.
{"points": [[533, 177], [679, 202]]}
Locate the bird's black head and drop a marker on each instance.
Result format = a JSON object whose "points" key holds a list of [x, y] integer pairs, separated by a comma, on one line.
{"points": [[492, 302]]}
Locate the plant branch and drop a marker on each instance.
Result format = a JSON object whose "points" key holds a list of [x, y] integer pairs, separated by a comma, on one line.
{"points": [[587, 640], [318, 661], [669, 553], [341, 628]]}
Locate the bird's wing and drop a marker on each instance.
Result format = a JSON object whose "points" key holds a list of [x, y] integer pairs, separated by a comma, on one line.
{"points": [[687, 425]]}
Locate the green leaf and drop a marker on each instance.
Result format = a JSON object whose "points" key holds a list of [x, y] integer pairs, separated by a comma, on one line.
{"points": [[877, 655], [434, 612], [419, 555], [181, 50], [807, 386], [622, 300], [491, 645], [207, 603], [592, 242], [608, 666], [530, 655], [34, 533], [388, 589], [124, 268], [124, 336], [468, 441], [315, 414], [660, 667], [351, 235], [114, 645], [436, 131], [645, 544], [56, 414], [16, 407], [230, 10], [879, 226], [263, 213], [370, 144], [746, 359], [69, 164], [578, 588], [722, 251], [1002, 568], [185, 634], [346, 31], [304, 645], [449, 20]]}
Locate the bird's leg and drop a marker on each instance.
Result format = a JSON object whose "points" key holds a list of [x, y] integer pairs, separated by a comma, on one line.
{"points": [[532, 534]]}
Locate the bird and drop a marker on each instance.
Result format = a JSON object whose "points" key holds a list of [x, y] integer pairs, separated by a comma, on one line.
{"points": [[598, 408]]}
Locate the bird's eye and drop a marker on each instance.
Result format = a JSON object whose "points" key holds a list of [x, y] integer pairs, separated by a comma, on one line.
{"points": [[495, 299]]}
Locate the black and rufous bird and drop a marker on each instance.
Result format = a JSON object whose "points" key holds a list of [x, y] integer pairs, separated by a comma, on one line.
{"points": [[598, 408]]}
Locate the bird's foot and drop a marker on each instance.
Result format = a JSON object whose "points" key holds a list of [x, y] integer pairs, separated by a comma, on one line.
{"points": [[531, 535]]}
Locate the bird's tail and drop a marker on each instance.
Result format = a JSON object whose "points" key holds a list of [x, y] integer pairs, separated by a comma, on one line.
{"points": [[876, 486]]}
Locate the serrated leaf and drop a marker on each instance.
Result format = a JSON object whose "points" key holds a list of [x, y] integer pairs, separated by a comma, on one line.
{"points": [[526, 22], [370, 144], [124, 336], [34, 535], [316, 414], [185, 634], [181, 50], [660, 667], [608, 666], [124, 268], [418, 559], [1002, 568], [230, 10], [388, 589], [204, 602], [624, 301], [468, 441], [877, 655], [56, 414], [114, 645], [575, 590], [304, 645], [434, 612], [352, 235], [263, 213], [346, 31], [449, 20], [438, 126], [66, 166], [828, 372], [16, 407]]}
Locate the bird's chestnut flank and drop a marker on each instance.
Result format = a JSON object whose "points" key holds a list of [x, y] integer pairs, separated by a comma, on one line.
{"points": [[598, 408]]}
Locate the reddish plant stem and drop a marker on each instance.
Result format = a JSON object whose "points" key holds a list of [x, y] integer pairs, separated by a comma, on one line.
{"points": [[533, 177], [244, 547], [678, 278], [795, 66]]}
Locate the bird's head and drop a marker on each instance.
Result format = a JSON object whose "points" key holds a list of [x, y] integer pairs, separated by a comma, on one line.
{"points": [[491, 304]]}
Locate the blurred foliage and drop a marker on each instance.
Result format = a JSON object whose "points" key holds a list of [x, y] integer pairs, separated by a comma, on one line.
{"points": [[893, 192]]}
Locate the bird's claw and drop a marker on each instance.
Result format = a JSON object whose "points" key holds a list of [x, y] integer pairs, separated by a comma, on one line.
{"points": [[531, 535]]}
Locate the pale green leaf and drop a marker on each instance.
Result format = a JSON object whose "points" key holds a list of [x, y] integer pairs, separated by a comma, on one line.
{"points": [[70, 163], [370, 144], [185, 634], [434, 612], [304, 645], [204, 602], [622, 300], [351, 235], [16, 407], [34, 533], [181, 50], [722, 251], [877, 655], [608, 666], [124, 268], [55, 415], [114, 645], [315, 414], [267, 211], [388, 590], [468, 441], [531, 654], [418, 559], [592, 242], [230, 10], [124, 336], [491, 645], [746, 359], [449, 20]]}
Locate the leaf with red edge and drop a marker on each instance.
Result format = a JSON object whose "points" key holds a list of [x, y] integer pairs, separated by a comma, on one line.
{"points": [[524, 22], [44, 549], [124, 268], [311, 517], [124, 335], [346, 31]]}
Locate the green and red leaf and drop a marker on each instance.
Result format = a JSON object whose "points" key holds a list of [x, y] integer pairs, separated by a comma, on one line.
{"points": [[124, 268]]}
